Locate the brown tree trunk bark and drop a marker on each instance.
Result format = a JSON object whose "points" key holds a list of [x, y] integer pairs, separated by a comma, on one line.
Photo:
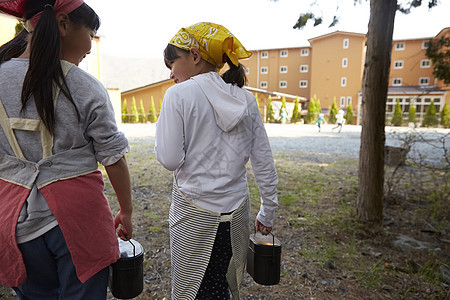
{"points": [[374, 94]]}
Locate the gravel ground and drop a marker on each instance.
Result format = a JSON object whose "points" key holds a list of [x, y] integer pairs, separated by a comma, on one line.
{"points": [[330, 144]]}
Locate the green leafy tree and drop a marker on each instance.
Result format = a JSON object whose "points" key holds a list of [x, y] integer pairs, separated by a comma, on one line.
{"points": [[141, 112], [134, 113], [430, 119], [152, 112], [397, 118], [125, 117], [333, 112], [412, 114], [445, 116], [270, 117], [439, 53], [349, 114], [296, 115]]}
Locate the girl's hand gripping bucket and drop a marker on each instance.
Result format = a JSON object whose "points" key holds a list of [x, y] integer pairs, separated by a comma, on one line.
{"points": [[264, 258], [126, 275]]}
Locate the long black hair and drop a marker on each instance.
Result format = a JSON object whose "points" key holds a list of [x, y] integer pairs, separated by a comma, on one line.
{"points": [[45, 46], [234, 75]]}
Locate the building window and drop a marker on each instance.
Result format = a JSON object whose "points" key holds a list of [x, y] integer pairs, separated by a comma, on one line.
{"points": [[264, 70], [264, 54], [425, 44], [304, 52], [425, 63], [283, 53], [397, 82], [344, 81], [346, 43], [424, 81], [345, 62], [304, 69], [399, 46], [283, 84], [349, 100], [303, 84], [398, 64], [342, 101], [283, 69], [263, 84]]}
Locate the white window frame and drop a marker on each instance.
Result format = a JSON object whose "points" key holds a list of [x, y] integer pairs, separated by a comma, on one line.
{"points": [[264, 70], [282, 84], [426, 79], [263, 84], [283, 69], [399, 46], [303, 84], [284, 53], [349, 100], [265, 54], [345, 43], [345, 62], [397, 81], [342, 101], [398, 64], [343, 81], [425, 44], [425, 63], [304, 68], [304, 52]]}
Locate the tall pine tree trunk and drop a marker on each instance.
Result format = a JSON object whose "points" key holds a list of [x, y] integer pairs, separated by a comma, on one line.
{"points": [[374, 94]]}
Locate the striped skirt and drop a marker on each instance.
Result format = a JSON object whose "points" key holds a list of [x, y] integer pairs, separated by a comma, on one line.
{"points": [[192, 233]]}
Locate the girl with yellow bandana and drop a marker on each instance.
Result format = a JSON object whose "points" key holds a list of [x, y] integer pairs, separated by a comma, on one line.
{"points": [[208, 129]]}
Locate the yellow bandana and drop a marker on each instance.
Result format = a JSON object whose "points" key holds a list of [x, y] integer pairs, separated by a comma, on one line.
{"points": [[213, 41]]}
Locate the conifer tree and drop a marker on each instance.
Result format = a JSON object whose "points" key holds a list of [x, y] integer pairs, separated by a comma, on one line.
{"points": [[430, 119], [134, 113], [270, 118], [141, 112], [349, 114], [125, 118], [311, 114], [283, 103], [159, 110], [445, 116], [296, 115], [333, 112], [412, 114], [152, 111], [397, 118]]}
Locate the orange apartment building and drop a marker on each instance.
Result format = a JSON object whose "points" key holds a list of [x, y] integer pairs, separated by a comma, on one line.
{"points": [[332, 68]]}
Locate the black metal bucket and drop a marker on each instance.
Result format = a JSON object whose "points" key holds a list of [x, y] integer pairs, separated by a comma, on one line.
{"points": [[126, 275], [264, 259]]}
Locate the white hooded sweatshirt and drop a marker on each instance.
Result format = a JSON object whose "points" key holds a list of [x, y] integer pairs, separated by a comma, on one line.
{"points": [[207, 132]]}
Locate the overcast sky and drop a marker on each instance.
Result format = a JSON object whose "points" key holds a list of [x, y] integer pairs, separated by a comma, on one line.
{"points": [[142, 28]]}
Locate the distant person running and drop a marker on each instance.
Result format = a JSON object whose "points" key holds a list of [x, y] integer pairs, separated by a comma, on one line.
{"points": [[320, 121], [340, 120]]}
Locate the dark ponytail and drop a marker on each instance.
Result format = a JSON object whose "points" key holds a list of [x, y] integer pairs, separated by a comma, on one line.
{"points": [[45, 70], [15, 47], [235, 75]]}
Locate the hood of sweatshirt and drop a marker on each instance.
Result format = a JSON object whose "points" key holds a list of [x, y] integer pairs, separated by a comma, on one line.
{"points": [[228, 101]]}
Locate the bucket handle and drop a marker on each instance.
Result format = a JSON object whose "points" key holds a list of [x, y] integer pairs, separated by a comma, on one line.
{"points": [[273, 243]]}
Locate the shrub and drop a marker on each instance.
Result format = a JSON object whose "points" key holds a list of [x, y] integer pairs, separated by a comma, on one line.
{"points": [[333, 112], [445, 116], [125, 117], [430, 119], [412, 114], [152, 112], [349, 114], [313, 110], [296, 115], [141, 113], [397, 118], [270, 118], [134, 113]]}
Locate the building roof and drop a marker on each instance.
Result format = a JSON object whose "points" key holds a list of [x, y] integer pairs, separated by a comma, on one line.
{"points": [[415, 90], [335, 33]]}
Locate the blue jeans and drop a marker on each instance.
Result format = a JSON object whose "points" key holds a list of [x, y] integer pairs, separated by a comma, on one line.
{"points": [[51, 273]]}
